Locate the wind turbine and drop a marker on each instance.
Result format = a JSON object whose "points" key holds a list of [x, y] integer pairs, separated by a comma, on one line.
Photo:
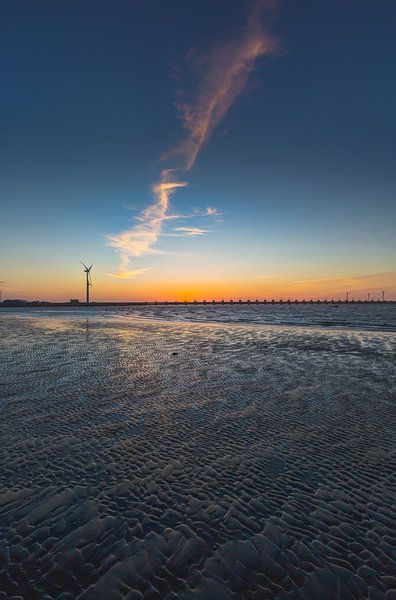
{"points": [[1, 292], [383, 295], [87, 271]]}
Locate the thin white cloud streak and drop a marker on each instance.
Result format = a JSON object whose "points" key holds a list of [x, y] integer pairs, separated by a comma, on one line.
{"points": [[191, 231], [320, 280], [208, 212], [225, 72], [375, 278], [129, 274], [211, 212]]}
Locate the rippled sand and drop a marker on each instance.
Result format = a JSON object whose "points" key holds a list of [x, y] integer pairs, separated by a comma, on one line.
{"points": [[195, 461]]}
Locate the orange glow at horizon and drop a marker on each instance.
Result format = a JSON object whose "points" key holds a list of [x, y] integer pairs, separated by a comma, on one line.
{"points": [[190, 289]]}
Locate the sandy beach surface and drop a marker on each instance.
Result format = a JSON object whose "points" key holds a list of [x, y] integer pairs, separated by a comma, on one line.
{"points": [[179, 460]]}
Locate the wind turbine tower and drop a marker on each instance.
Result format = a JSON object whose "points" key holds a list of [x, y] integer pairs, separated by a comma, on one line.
{"points": [[1, 291], [383, 295], [87, 271]]}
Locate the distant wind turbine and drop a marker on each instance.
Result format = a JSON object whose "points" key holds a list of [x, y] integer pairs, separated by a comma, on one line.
{"points": [[1, 292], [87, 271]]}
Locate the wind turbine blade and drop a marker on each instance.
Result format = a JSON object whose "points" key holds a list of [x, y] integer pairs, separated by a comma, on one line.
{"points": [[85, 266]]}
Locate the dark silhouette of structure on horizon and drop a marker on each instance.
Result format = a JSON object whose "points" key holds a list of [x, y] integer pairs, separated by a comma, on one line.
{"points": [[75, 302], [87, 271]]}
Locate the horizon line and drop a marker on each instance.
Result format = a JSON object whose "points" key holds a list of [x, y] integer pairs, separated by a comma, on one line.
{"points": [[276, 300]]}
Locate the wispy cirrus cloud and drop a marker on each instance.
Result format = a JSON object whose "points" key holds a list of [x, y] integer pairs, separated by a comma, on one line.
{"points": [[129, 274], [369, 278], [211, 212], [139, 240], [191, 231], [207, 212], [319, 280], [224, 72]]}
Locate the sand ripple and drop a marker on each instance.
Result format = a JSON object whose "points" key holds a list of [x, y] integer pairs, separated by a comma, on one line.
{"points": [[196, 462]]}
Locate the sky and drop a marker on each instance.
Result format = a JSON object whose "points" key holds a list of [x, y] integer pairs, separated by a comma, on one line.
{"points": [[200, 149]]}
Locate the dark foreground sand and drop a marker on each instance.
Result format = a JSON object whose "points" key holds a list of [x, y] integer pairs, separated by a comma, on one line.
{"points": [[188, 461]]}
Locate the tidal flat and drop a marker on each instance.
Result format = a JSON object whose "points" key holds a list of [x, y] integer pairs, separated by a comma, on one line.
{"points": [[159, 459]]}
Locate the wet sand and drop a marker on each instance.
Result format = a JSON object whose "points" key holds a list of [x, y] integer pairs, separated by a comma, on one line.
{"points": [[195, 461]]}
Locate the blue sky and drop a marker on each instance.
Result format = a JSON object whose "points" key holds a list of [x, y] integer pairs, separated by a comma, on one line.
{"points": [[300, 167]]}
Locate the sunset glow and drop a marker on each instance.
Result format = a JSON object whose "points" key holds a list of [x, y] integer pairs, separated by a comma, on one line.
{"points": [[197, 299], [232, 161]]}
